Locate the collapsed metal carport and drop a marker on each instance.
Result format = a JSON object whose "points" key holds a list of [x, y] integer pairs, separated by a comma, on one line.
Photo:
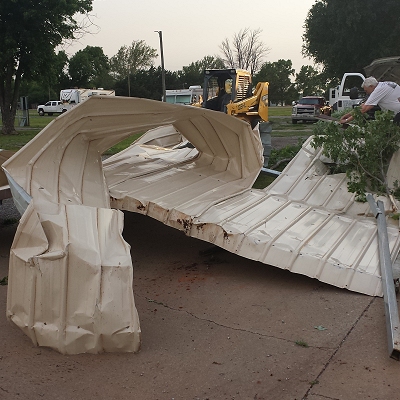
{"points": [[70, 282]]}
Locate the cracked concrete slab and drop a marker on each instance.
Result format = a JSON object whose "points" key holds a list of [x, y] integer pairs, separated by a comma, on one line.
{"points": [[215, 326], [358, 366]]}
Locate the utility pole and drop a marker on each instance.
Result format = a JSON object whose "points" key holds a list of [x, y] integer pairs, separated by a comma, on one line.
{"points": [[162, 66]]}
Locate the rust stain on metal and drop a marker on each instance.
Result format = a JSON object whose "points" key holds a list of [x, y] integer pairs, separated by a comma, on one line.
{"points": [[187, 224], [141, 207]]}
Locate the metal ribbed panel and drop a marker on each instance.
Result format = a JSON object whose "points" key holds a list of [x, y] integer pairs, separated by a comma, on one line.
{"points": [[306, 222]]}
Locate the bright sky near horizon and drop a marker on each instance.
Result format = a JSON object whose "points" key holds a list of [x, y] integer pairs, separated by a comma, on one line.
{"points": [[192, 29]]}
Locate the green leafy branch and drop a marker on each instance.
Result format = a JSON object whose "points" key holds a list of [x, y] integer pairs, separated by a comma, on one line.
{"points": [[362, 150]]}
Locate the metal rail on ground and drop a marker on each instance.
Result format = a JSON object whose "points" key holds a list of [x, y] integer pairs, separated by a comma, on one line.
{"points": [[388, 286]]}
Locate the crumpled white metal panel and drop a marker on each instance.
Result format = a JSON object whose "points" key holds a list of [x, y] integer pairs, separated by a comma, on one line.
{"points": [[70, 280], [4, 156], [306, 221], [5, 191]]}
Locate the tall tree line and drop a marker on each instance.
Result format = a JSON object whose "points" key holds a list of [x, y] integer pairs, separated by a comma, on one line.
{"points": [[347, 35], [339, 36]]}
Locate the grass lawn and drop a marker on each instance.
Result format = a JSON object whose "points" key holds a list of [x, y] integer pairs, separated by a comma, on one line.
{"points": [[282, 126], [263, 180], [36, 124], [282, 123], [279, 116], [15, 142], [285, 111]]}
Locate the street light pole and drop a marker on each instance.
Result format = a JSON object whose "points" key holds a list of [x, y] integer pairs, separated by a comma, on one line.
{"points": [[162, 66]]}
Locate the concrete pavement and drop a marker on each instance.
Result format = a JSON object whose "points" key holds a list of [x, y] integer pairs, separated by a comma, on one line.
{"points": [[214, 326]]}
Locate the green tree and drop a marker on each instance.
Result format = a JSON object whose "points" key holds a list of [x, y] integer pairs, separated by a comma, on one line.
{"points": [[55, 77], [346, 35], [46, 84], [193, 74], [309, 81], [30, 31], [363, 151], [146, 83], [89, 67], [36, 92], [246, 50], [278, 75], [130, 59]]}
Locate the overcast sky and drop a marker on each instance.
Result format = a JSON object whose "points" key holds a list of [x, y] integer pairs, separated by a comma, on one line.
{"points": [[192, 29]]}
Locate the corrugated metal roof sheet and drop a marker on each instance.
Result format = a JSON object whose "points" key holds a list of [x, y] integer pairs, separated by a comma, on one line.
{"points": [[306, 221]]}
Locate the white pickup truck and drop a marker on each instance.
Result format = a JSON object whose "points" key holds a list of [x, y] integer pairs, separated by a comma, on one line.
{"points": [[50, 108]]}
